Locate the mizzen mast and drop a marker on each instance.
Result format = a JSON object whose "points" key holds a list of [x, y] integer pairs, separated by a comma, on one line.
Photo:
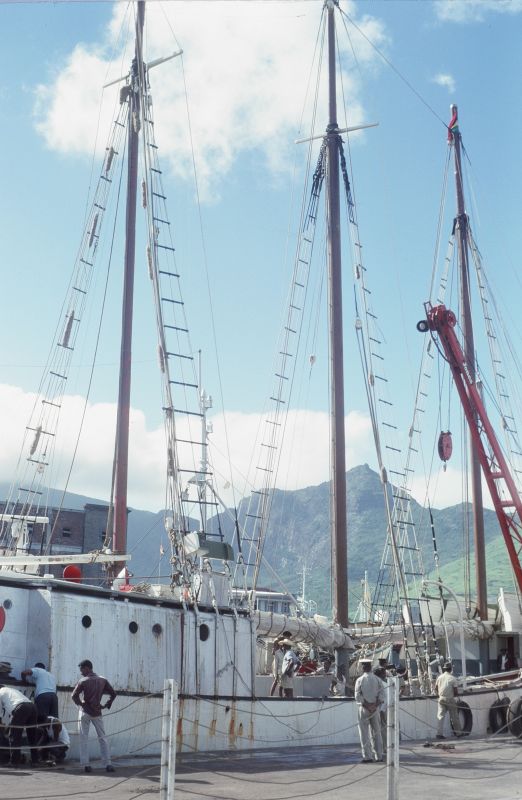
{"points": [[462, 233], [134, 89], [338, 457]]}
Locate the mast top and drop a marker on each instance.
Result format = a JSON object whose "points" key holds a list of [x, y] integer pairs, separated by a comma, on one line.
{"points": [[453, 127]]}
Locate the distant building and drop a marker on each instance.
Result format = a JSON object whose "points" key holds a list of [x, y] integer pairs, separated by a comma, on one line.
{"points": [[69, 531]]}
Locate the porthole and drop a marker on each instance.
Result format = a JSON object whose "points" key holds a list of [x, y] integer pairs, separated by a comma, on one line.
{"points": [[7, 604], [133, 626], [204, 632], [157, 630], [86, 621]]}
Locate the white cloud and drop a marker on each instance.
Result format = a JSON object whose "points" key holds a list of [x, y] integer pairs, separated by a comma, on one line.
{"points": [[304, 462], [147, 461], [93, 465], [305, 457], [445, 80], [474, 10], [246, 65], [445, 488]]}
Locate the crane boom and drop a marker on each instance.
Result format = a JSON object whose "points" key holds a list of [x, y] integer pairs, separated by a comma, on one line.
{"points": [[496, 471]]}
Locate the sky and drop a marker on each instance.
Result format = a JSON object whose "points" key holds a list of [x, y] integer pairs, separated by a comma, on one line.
{"points": [[246, 68]]}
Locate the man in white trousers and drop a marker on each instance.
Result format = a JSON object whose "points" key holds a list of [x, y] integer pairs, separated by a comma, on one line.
{"points": [[87, 694], [369, 696]]}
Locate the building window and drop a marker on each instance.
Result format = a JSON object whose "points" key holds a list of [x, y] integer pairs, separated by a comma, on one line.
{"points": [[66, 531]]}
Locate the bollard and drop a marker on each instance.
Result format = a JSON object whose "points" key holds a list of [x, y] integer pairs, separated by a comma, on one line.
{"points": [[168, 740], [392, 735]]}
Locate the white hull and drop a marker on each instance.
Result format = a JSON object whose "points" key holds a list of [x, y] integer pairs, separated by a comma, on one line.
{"points": [[138, 641]]}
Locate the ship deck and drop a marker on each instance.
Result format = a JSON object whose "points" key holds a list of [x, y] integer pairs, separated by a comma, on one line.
{"points": [[473, 769]]}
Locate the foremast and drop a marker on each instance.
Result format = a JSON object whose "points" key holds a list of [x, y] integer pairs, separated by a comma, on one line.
{"points": [[461, 227]]}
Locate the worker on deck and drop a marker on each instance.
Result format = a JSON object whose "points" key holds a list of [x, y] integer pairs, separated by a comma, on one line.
{"points": [[18, 713], [369, 696], [289, 666], [56, 740], [88, 694], [446, 689], [277, 664], [382, 674], [45, 697]]}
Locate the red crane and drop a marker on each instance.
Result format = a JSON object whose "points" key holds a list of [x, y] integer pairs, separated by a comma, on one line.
{"points": [[502, 488]]}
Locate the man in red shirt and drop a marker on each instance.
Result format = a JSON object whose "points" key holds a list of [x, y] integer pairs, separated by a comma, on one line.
{"points": [[87, 694]]}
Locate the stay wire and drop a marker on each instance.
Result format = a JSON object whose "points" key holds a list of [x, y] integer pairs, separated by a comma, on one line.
{"points": [[394, 69], [93, 364]]}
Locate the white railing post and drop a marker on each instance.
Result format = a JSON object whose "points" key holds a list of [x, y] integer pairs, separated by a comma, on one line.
{"points": [[392, 736], [168, 740]]}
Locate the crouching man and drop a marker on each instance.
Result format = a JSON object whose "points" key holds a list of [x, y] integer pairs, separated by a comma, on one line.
{"points": [[18, 713]]}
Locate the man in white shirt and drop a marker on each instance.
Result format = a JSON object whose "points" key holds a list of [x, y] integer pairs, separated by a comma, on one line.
{"points": [[369, 696], [447, 692], [57, 740], [381, 673], [18, 713]]}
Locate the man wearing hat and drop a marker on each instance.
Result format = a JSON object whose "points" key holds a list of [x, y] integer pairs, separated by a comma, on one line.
{"points": [[446, 689], [369, 696], [382, 674], [290, 664]]}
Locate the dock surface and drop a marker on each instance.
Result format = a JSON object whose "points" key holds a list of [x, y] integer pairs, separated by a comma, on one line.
{"points": [[470, 769]]}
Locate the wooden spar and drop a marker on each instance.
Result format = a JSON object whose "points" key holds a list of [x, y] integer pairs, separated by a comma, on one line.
{"points": [[338, 458], [122, 425], [461, 230]]}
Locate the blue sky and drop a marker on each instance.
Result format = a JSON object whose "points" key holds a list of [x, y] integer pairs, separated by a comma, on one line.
{"points": [[246, 67]]}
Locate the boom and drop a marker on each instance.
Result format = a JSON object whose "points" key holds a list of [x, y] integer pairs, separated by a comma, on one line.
{"points": [[502, 488]]}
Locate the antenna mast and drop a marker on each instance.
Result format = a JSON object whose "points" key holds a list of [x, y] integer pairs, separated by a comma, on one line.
{"points": [[462, 233]]}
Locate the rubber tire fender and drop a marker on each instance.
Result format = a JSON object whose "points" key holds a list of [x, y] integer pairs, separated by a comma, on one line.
{"points": [[465, 715], [498, 715], [514, 717]]}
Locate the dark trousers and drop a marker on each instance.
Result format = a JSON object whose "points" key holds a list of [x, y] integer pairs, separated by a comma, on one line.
{"points": [[25, 717], [47, 705]]}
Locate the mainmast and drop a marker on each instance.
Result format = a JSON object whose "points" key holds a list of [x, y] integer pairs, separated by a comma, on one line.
{"points": [[338, 458], [461, 231], [122, 424]]}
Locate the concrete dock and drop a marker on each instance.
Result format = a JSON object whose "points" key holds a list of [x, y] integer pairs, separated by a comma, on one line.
{"points": [[471, 769]]}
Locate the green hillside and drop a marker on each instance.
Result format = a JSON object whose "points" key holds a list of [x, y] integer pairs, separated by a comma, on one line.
{"points": [[299, 533]]}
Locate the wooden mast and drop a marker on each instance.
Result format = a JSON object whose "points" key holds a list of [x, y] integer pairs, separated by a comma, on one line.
{"points": [[461, 230], [122, 425], [338, 458]]}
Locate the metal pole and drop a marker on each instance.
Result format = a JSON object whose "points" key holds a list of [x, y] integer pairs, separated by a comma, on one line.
{"points": [[168, 740], [173, 724], [461, 625], [165, 726], [392, 736]]}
